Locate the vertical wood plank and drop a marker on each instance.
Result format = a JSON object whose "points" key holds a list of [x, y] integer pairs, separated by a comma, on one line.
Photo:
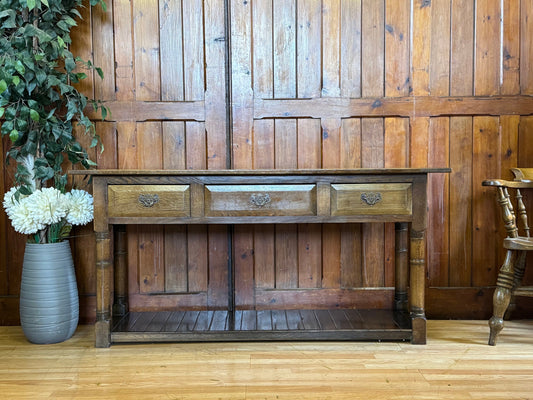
{"points": [[438, 218], [263, 50], [81, 47], [526, 48], [241, 78], [193, 51], [331, 19], [171, 43], [486, 218], [461, 145], [284, 14], [309, 155], [461, 186], [243, 258], [123, 36], [309, 37], [487, 62], [103, 53], [350, 156], [422, 40], [511, 48], [462, 48], [146, 45], [350, 42], [372, 48], [439, 64], [397, 81], [264, 247]]}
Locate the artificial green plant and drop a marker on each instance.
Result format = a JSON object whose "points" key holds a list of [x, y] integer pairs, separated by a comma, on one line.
{"points": [[39, 103]]}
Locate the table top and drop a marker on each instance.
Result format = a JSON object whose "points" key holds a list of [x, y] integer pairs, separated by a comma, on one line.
{"points": [[260, 172]]}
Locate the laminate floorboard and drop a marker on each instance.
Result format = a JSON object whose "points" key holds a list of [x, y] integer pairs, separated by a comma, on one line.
{"points": [[456, 363]]}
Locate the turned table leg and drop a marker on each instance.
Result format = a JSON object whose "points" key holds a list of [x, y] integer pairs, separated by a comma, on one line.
{"points": [[120, 305], [401, 302], [104, 280], [417, 285]]}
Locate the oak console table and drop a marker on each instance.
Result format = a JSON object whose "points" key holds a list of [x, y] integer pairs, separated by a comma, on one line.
{"points": [[257, 197]]}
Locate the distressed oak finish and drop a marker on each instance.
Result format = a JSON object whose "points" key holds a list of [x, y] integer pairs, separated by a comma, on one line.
{"points": [[285, 197], [517, 243], [277, 84]]}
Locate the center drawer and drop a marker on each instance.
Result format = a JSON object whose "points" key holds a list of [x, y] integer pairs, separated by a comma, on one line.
{"points": [[149, 201], [260, 200]]}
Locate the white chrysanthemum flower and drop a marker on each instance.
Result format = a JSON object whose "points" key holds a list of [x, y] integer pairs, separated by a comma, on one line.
{"points": [[22, 217], [49, 205], [9, 201], [80, 207]]}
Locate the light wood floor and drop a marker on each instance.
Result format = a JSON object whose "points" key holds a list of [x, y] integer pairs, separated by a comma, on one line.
{"points": [[455, 364]]}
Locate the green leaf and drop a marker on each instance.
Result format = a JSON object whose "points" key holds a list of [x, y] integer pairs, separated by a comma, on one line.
{"points": [[2, 109], [14, 135], [100, 72], [31, 4], [34, 115], [16, 80], [3, 86], [45, 2], [19, 67], [69, 64]]}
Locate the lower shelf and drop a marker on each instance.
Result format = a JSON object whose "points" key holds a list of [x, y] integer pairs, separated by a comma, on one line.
{"points": [[252, 325]]}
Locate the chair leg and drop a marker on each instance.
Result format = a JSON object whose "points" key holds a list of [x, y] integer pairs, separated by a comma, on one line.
{"points": [[518, 275], [502, 295]]}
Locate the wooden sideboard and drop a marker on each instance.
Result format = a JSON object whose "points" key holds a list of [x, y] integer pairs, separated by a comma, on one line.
{"points": [[257, 197]]}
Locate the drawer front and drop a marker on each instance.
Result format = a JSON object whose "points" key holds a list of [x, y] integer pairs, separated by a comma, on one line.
{"points": [[260, 200], [371, 199], [149, 201]]}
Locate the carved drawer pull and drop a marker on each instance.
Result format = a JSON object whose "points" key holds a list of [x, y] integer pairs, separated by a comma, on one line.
{"points": [[260, 199], [148, 200], [371, 198]]}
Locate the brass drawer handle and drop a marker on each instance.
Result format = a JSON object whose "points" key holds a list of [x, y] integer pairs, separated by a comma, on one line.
{"points": [[260, 199], [371, 198], [148, 200]]}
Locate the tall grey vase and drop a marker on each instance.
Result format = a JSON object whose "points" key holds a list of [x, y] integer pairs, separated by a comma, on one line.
{"points": [[49, 305]]}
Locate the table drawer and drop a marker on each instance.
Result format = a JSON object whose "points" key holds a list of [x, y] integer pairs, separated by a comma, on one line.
{"points": [[260, 200], [149, 201], [371, 199]]}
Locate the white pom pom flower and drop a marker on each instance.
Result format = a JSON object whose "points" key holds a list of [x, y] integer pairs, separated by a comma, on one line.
{"points": [[22, 217], [80, 205], [49, 205], [9, 201]]}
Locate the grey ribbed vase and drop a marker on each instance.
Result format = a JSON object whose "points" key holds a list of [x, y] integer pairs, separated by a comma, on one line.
{"points": [[49, 305]]}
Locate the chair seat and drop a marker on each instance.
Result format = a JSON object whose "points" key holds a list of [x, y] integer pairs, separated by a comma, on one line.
{"points": [[518, 243]]}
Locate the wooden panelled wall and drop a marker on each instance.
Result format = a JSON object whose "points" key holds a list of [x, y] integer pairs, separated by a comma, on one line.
{"points": [[307, 84]]}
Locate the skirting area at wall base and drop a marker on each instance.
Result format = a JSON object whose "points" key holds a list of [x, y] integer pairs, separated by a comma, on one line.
{"points": [[252, 325]]}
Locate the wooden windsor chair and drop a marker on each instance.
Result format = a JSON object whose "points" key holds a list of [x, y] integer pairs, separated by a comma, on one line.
{"points": [[516, 245]]}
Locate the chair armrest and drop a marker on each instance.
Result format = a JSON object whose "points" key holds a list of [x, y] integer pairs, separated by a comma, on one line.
{"points": [[526, 184]]}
